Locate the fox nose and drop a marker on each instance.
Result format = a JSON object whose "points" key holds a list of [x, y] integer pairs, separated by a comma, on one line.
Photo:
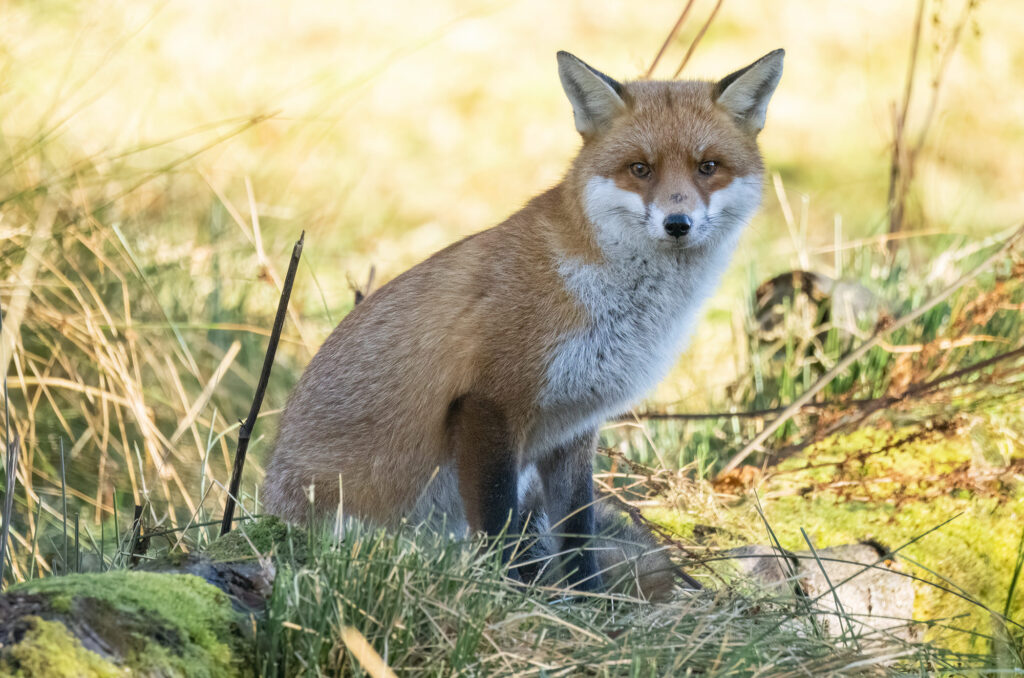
{"points": [[678, 225]]}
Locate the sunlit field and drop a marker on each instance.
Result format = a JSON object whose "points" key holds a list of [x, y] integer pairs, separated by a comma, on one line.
{"points": [[158, 161]]}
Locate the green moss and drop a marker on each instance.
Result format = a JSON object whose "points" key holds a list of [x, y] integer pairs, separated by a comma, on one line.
{"points": [[49, 649], [193, 620], [263, 534], [60, 603]]}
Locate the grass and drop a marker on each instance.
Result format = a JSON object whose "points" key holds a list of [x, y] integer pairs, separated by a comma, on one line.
{"points": [[140, 263], [432, 606]]}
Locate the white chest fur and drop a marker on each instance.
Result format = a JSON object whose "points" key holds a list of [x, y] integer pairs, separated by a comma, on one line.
{"points": [[641, 304], [640, 318]]}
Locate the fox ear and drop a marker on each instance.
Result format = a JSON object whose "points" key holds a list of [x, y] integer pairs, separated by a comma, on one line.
{"points": [[746, 92], [596, 99]]}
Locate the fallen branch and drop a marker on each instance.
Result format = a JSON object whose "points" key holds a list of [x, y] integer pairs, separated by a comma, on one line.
{"points": [[857, 353], [245, 432], [703, 416], [870, 404]]}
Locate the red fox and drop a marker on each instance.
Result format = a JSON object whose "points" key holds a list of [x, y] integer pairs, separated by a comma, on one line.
{"points": [[497, 358]]}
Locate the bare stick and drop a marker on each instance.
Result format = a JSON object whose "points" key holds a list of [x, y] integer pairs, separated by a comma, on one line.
{"points": [[245, 432], [704, 416], [857, 353], [669, 38], [697, 38]]}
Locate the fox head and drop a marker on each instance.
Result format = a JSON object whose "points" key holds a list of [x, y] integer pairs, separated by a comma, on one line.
{"points": [[668, 165]]}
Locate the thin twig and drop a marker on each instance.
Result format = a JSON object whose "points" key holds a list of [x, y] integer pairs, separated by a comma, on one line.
{"points": [[912, 390], [857, 353], [928, 386], [939, 77], [899, 174], [669, 38], [245, 432], [704, 416], [697, 38]]}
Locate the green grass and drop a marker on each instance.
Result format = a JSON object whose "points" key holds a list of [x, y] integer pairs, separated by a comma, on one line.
{"points": [[432, 606]]}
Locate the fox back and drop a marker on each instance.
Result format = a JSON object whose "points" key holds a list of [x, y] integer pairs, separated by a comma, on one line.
{"points": [[504, 352]]}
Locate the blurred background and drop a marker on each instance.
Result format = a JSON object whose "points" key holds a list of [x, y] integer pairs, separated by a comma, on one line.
{"points": [[158, 160], [388, 130]]}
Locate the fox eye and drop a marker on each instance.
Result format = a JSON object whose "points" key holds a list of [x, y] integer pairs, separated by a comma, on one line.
{"points": [[708, 167], [640, 170]]}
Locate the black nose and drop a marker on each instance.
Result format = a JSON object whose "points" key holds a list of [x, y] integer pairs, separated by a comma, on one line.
{"points": [[678, 225]]}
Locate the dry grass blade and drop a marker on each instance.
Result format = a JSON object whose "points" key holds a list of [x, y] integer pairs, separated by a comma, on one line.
{"points": [[207, 392], [858, 352], [364, 653], [26, 279]]}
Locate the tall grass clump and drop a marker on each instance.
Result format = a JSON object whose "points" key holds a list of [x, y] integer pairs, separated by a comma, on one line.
{"points": [[123, 373], [432, 606]]}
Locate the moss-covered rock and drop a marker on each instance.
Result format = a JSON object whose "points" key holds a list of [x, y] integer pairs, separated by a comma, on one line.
{"points": [[47, 648], [146, 622], [249, 540]]}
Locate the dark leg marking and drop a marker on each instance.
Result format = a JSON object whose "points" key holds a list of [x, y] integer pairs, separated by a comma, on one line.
{"points": [[568, 476], [488, 467]]}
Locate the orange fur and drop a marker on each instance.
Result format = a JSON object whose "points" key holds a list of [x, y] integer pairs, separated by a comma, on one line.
{"points": [[485, 318]]}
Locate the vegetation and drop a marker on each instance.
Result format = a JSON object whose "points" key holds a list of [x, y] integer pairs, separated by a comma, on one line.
{"points": [[158, 161], [171, 624]]}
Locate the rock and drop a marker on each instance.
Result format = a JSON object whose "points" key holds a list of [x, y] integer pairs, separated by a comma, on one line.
{"points": [[802, 303], [183, 614], [121, 623], [877, 602]]}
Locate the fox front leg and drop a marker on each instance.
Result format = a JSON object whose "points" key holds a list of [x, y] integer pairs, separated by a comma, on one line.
{"points": [[488, 468], [567, 473]]}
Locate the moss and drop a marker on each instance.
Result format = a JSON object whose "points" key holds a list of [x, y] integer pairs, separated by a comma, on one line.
{"points": [[170, 623], [264, 534], [49, 649], [61, 603]]}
